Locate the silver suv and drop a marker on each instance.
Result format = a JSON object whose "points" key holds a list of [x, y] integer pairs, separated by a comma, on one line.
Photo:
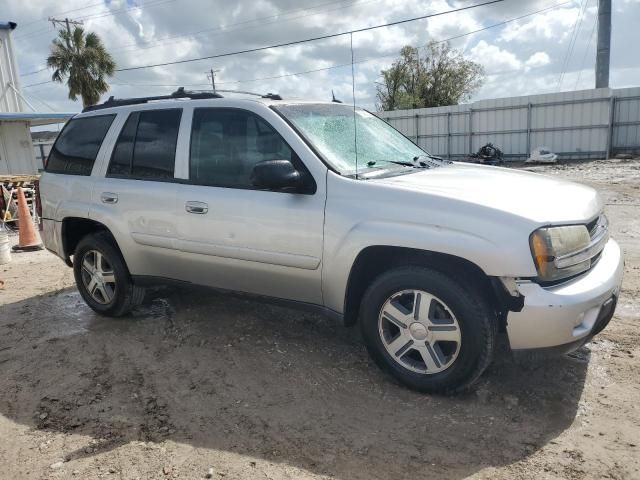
{"points": [[329, 207]]}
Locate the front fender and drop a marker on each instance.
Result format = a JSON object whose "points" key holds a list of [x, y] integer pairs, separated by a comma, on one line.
{"points": [[496, 259]]}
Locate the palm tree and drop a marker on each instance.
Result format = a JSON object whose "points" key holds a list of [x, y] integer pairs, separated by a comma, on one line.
{"points": [[83, 61]]}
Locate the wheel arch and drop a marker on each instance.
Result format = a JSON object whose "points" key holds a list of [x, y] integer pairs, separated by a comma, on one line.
{"points": [[372, 261], [75, 229]]}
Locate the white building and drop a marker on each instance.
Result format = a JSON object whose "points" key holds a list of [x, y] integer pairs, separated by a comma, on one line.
{"points": [[16, 149]]}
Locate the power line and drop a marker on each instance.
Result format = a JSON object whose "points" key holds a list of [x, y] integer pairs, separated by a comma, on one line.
{"points": [[225, 28], [41, 101], [297, 42], [455, 37], [508, 21], [39, 83], [149, 4], [575, 38], [274, 77], [586, 51], [63, 13], [572, 40], [34, 72], [35, 33]]}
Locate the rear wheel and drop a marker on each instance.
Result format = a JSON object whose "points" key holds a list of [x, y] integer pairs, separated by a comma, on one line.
{"points": [[102, 276], [430, 331]]}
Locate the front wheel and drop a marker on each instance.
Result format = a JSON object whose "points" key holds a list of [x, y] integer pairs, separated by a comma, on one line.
{"points": [[429, 331], [102, 276]]}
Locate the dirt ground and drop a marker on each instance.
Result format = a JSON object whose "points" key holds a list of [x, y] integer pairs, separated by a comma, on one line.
{"points": [[199, 385]]}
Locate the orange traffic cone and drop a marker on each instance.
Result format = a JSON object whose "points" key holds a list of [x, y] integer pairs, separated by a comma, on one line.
{"points": [[29, 238]]}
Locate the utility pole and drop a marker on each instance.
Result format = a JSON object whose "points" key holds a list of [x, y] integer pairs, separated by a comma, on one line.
{"points": [[66, 22], [604, 43], [211, 75]]}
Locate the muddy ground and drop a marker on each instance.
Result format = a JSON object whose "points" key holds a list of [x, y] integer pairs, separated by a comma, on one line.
{"points": [[198, 385]]}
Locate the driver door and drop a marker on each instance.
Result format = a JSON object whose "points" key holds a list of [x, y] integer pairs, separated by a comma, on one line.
{"points": [[237, 237]]}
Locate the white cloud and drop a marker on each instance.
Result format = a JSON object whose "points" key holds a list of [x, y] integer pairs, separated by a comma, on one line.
{"points": [[537, 60], [498, 59], [555, 24]]}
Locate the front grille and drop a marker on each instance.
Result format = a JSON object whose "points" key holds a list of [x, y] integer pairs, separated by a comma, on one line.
{"points": [[591, 226], [598, 227]]}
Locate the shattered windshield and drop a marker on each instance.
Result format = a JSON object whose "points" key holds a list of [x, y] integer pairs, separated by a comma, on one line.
{"points": [[330, 129]]}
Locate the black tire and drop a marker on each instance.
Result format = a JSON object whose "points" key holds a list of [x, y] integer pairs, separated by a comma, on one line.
{"points": [[126, 295], [477, 323]]}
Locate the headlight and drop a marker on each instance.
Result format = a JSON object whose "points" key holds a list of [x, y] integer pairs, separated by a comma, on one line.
{"points": [[549, 244]]}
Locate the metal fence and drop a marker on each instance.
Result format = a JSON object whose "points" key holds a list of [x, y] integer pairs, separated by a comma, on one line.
{"points": [[583, 124]]}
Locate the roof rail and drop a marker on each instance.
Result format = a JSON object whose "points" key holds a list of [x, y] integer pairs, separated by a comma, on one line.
{"points": [[179, 93], [272, 96]]}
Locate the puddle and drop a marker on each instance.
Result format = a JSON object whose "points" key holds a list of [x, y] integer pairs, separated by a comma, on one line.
{"points": [[69, 315], [159, 308], [72, 315]]}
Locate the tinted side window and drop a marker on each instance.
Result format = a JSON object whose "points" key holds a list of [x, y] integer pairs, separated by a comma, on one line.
{"points": [[226, 144], [146, 147], [154, 151], [77, 147], [123, 152]]}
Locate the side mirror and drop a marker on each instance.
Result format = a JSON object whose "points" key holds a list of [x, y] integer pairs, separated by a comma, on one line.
{"points": [[276, 175]]}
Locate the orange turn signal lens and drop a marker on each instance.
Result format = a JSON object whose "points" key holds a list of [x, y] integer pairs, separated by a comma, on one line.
{"points": [[541, 253]]}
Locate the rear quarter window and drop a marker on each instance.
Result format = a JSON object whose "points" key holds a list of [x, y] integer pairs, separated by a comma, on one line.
{"points": [[76, 149]]}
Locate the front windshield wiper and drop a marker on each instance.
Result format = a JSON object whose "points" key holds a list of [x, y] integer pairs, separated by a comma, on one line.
{"points": [[439, 160], [372, 163]]}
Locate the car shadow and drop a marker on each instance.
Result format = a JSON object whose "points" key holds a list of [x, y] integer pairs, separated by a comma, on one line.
{"points": [[231, 374]]}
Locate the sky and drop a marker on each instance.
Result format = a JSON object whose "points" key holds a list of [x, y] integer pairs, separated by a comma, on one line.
{"points": [[532, 55]]}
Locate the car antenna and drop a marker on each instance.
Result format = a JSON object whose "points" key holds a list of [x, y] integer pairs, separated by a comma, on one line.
{"points": [[334, 99]]}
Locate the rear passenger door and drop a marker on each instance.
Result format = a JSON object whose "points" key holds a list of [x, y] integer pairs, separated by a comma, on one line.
{"points": [[238, 237], [136, 196]]}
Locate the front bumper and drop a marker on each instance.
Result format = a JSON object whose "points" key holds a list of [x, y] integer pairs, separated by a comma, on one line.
{"points": [[565, 316]]}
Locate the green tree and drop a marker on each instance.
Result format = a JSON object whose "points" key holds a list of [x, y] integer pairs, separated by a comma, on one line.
{"points": [[433, 76], [83, 62]]}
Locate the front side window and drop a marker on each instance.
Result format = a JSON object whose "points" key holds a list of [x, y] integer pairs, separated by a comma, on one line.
{"points": [[226, 144], [77, 147], [331, 129], [146, 148]]}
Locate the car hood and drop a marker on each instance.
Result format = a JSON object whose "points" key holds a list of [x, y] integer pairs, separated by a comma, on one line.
{"points": [[539, 198]]}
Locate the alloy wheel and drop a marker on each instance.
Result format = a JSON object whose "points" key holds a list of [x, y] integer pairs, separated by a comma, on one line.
{"points": [[98, 277], [419, 331]]}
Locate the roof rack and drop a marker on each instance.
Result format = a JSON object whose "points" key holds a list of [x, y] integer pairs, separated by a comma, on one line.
{"points": [[179, 93], [272, 96]]}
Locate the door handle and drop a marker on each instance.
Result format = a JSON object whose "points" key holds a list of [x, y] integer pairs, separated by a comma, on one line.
{"points": [[196, 207], [108, 197]]}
